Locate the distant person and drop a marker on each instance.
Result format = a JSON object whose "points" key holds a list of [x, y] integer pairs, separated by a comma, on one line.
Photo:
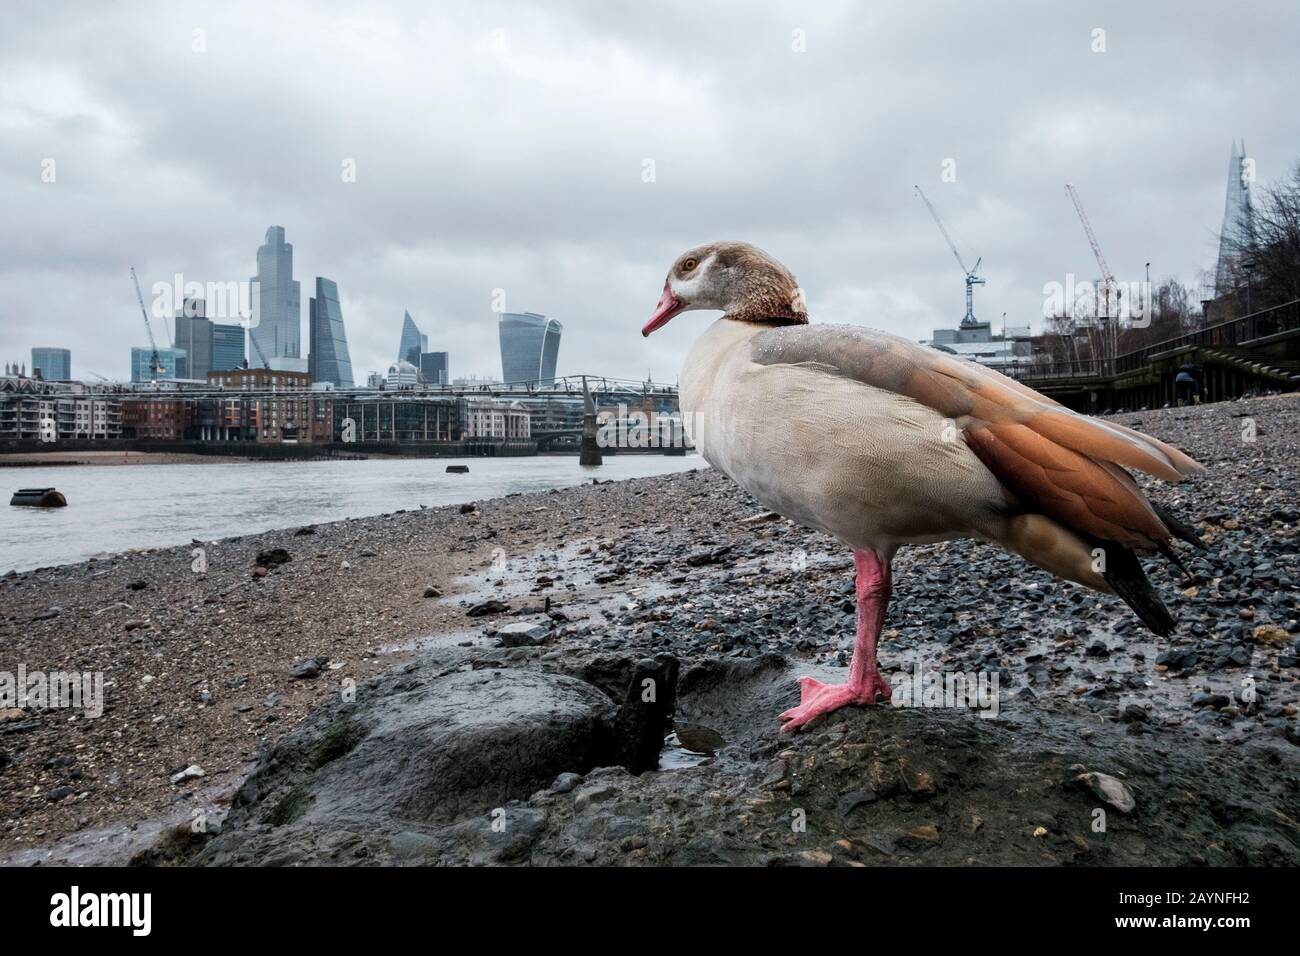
{"points": [[1187, 390]]}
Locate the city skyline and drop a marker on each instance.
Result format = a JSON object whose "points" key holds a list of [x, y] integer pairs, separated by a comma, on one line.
{"points": [[697, 145]]}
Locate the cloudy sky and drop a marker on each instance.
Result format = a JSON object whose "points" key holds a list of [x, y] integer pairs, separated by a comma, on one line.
{"points": [[508, 146]]}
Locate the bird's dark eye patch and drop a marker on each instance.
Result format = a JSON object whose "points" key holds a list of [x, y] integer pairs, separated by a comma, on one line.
{"points": [[689, 265]]}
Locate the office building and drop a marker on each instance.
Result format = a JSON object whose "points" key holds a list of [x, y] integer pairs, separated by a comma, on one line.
{"points": [[413, 344], [173, 362], [327, 358], [530, 346], [434, 368], [194, 336], [403, 375], [227, 347], [52, 365], [277, 306]]}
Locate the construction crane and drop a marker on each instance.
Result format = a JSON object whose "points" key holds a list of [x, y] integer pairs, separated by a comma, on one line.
{"points": [[155, 363], [1109, 288], [257, 348], [972, 279]]}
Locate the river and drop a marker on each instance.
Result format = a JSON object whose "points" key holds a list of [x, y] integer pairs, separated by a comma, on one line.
{"points": [[117, 507]]}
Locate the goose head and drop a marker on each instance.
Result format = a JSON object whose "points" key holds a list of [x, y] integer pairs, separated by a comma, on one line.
{"points": [[741, 280]]}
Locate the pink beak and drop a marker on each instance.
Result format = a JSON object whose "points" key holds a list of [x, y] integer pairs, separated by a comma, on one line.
{"points": [[669, 305]]}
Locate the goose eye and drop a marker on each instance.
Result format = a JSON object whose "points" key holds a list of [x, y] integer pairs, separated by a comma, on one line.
{"points": [[689, 264]]}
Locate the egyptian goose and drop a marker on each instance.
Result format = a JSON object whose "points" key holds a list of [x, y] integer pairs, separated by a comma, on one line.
{"points": [[881, 442]]}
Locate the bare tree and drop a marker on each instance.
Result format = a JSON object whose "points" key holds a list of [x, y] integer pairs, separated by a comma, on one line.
{"points": [[1264, 246]]}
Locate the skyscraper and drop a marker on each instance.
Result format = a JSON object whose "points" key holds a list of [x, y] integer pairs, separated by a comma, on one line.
{"points": [[277, 304], [227, 347], [434, 368], [1237, 210], [55, 364], [412, 338], [194, 336], [530, 346], [327, 358], [172, 361]]}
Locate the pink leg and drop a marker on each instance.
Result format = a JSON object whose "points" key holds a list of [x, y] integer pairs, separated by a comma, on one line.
{"points": [[815, 699]]}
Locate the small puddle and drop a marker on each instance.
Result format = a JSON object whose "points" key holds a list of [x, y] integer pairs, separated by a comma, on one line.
{"points": [[689, 745]]}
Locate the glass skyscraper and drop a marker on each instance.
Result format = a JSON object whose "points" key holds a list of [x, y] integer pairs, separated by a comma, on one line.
{"points": [[277, 303], [434, 368], [412, 338], [530, 346], [227, 347], [172, 361], [55, 364], [1238, 207], [327, 358], [194, 336]]}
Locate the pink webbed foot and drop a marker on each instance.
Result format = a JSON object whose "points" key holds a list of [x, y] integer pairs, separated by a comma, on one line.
{"points": [[817, 699]]}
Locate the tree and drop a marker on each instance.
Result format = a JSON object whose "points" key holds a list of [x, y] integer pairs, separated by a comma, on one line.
{"points": [[1264, 245]]}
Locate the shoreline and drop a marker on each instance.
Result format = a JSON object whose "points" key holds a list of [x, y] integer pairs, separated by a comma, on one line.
{"points": [[197, 668], [43, 459]]}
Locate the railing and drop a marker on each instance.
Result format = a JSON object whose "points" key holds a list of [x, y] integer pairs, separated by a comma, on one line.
{"points": [[1247, 328]]}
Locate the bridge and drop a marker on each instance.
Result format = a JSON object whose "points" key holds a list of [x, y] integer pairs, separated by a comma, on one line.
{"points": [[1252, 353], [605, 390]]}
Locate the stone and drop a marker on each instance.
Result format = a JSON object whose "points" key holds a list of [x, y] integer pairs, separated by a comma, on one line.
{"points": [[1270, 634], [439, 751], [311, 667], [272, 558], [1108, 789], [521, 634], [191, 772], [490, 606]]}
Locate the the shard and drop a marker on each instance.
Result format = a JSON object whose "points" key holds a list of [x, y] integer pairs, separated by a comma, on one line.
{"points": [[1238, 208]]}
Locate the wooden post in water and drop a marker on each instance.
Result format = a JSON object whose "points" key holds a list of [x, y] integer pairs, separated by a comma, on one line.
{"points": [[590, 454]]}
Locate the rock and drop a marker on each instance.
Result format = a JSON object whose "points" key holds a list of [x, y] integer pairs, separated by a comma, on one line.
{"points": [[709, 556], [1134, 713], [565, 782], [646, 714], [137, 585], [596, 793], [272, 558], [1214, 701], [490, 606], [261, 571], [1270, 634], [432, 592], [521, 634], [311, 667], [59, 793], [1108, 789], [49, 614], [854, 799], [920, 838], [420, 750], [191, 772], [468, 508], [135, 625]]}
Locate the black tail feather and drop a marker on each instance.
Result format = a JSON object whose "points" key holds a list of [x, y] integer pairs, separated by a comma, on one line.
{"points": [[1167, 550], [1178, 527], [1123, 572]]}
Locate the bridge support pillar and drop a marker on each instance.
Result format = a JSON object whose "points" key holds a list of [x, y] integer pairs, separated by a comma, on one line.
{"points": [[590, 453]]}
